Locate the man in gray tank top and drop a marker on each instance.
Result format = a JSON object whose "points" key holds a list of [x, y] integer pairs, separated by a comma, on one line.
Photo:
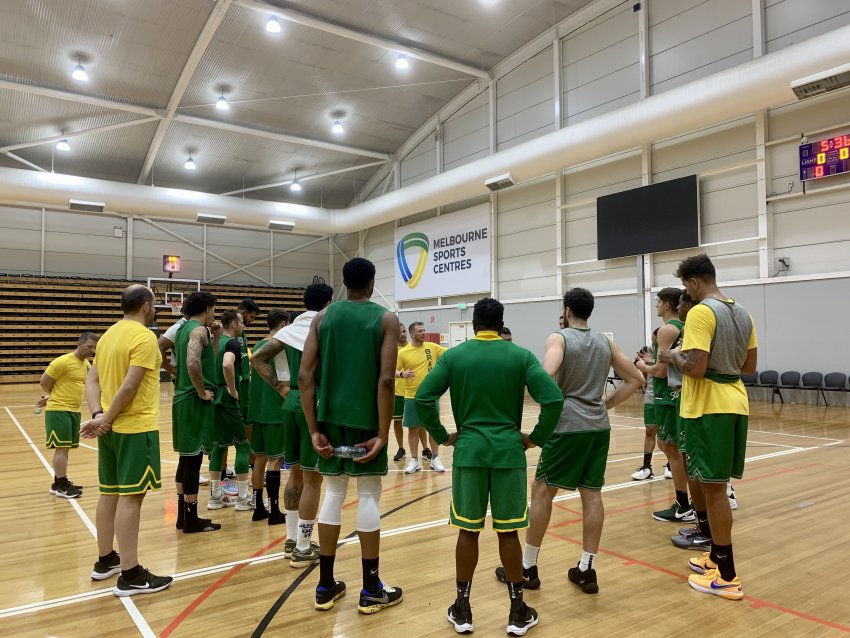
{"points": [[575, 456]]}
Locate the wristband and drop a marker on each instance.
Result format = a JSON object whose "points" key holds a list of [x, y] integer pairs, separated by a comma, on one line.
{"points": [[96, 412]]}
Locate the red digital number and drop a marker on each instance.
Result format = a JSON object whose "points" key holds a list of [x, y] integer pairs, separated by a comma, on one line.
{"points": [[839, 142], [818, 171], [846, 140], [824, 145]]}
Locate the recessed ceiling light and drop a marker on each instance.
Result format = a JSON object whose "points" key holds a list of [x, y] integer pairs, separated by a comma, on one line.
{"points": [[62, 145], [221, 103], [273, 25], [401, 61], [79, 73], [337, 128], [190, 165]]}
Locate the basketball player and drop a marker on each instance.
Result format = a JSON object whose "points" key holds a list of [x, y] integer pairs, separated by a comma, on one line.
{"points": [[352, 346], [561, 322], [666, 397], [505, 333], [64, 385], [122, 388], [249, 310], [489, 450], [398, 406], [229, 427], [575, 456], [192, 408], [417, 360], [719, 345], [644, 472], [267, 437]]}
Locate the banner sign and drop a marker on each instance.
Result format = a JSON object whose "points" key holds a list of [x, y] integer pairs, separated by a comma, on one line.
{"points": [[444, 256]]}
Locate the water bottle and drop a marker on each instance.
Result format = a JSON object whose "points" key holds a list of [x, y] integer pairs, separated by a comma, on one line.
{"points": [[350, 452], [38, 408]]}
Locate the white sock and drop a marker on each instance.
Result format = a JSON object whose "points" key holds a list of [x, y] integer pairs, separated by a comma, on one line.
{"points": [[215, 488], [529, 556], [292, 524], [587, 561], [305, 533], [243, 489]]}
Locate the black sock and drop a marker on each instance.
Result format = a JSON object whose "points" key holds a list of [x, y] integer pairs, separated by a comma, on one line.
{"points": [[105, 559], [463, 589], [273, 490], [259, 504], [725, 561], [682, 500], [371, 582], [181, 519], [326, 571], [647, 459], [131, 574], [515, 592], [704, 528], [191, 514]]}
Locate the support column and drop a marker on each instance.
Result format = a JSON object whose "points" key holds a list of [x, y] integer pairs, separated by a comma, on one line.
{"points": [[130, 243], [43, 238]]}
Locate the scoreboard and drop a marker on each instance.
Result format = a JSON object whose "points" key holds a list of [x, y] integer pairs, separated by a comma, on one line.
{"points": [[825, 158]]}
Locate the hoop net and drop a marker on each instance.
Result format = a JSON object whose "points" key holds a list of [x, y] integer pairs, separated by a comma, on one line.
{"points": [[176, 307]]}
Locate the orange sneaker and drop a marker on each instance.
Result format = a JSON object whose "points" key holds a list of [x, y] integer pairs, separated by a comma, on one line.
{"points": [[711, 583], [702, 564]]}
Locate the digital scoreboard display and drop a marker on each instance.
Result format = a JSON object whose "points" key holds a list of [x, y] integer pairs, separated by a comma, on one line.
{"points": [[170, 263], [825, 158]]}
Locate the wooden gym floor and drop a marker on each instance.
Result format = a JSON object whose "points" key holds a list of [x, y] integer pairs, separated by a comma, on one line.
{"points": [[790, 545]]}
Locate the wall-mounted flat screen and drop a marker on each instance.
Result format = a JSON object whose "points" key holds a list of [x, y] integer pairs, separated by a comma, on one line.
{"points": [[650, 219]]}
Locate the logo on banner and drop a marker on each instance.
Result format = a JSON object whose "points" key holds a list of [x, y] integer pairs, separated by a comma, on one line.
{"points": [[409, 242]]}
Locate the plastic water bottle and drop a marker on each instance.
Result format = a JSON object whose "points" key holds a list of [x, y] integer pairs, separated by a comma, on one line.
{"points": [[350, 452], [38, 407]]}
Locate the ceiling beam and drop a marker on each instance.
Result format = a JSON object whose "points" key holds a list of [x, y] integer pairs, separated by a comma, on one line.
{"points": [[17, 158], [79, 98], [306, 178], [282, 137], [213, 22], [96, 129], [364, 37]]}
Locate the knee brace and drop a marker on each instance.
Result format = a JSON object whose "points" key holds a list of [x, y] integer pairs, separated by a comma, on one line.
{"points": [[369, 495], [243, 455], [335, 488]]}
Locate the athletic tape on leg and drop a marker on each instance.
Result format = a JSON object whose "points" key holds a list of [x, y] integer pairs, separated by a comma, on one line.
{"points": [[368, 512], [335, 489]]}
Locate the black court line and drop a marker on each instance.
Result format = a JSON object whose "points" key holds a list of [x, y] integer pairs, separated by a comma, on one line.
{"points": [[272, 612]]}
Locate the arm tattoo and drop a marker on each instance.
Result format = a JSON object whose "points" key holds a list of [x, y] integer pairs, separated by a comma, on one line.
{"points": [[197, 342], [260, 361]]}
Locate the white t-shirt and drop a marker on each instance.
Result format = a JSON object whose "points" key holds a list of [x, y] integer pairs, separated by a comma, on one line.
{"points": [[171, 335]]}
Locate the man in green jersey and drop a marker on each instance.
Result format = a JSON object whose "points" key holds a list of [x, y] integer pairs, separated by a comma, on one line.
{"points": [[192, 408], [303, 488], [352, 347], [489, 449], [264, 412], [667, 402]]}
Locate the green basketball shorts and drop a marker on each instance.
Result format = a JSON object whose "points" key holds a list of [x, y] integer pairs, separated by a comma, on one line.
{"points": [[62, 429], [342, 435], [665, 419], [128, 463], [229, 428], [574, 459], [717, 447], [191, 426], [267, 439], [649, 415], [297, 443], [398, 407], [505, 490]]}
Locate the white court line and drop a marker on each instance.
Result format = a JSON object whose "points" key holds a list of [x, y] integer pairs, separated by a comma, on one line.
{"points": [[129, 605], [273, 557]]}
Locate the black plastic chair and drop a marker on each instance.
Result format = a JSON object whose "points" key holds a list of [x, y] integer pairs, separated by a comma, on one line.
{"points": [[788, 381], [834, 382], [750, 379], [814, 381], [770, 379]]}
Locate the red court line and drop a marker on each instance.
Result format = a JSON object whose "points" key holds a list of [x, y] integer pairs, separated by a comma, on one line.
{"points": [[755, 603], [613, 512], [390, 489], [566, 509]]}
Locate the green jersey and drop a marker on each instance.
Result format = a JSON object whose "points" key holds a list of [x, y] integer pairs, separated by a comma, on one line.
{"points": [[350, 364], [265, 402], [664, 394], [183, 386], [487, 378], [222, 396], [293, 399]]}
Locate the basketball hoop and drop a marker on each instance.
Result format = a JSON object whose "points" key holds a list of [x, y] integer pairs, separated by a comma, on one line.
{"points": [[176, 307]]}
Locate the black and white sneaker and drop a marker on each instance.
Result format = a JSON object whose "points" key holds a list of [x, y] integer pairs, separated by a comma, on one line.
{"points": [[103, 570], [530, 579], [460, 615], [427, 454], [145, 583], [520, 621], [586, 580], [385, 597], [399, 456]]}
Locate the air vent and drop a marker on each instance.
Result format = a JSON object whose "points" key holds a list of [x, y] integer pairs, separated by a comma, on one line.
{"points": [[209, 218], [500, 182], [86, 207], [823, 82], [275, 224]]}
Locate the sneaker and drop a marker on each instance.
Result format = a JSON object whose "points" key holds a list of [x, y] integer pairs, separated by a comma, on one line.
{"points": [[399, 456], [437, 465], [102, 571], [284, 466], [689, 531], [229, 488], [52, 489], [530, 579], [585, 580], [68, 490], [302, 558], [277, 518], [325, 598], [203, 480], [218, 503], [711, 583], [201, 525], [145, 583], [288, 547], [460, 615], [413, 466], [229, 472], [373, 603], [667, 473], [702, 564], [426, 453], [675, 513], [642, 474], [520, 621], [730, 493], [695, 541], [244, 504]]}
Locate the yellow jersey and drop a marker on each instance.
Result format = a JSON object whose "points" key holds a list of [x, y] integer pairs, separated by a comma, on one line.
{"points": [[69, 374], [399, 382], [129, 343], [420, 359]]}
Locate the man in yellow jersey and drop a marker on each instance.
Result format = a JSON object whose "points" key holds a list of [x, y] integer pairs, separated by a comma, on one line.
{"points": [[719, 345], [123, 389], [414, 362], [398, 406], [63, 383]]}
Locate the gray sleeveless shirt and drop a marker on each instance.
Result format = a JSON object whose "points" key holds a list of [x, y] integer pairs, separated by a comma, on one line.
{"points": [[731, 337], [582, 377]]}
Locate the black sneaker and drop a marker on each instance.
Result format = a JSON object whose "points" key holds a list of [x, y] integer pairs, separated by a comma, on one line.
{"points": [[145, 583], [373, 603], [67, 489], [53, 488], [399, 456], [530, 580], [200, 525], [585, 580], [325, 598], [520, 621], [112, 566], [427, 454], [460, 615], [697, 542]]}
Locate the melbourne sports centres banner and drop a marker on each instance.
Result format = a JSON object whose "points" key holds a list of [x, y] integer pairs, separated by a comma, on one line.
{"points": [[444, 256]]}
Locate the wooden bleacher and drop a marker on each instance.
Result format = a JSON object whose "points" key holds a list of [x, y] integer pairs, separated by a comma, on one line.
{"points": [[42, 317]]}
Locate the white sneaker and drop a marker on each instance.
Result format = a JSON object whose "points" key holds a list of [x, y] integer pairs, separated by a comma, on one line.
{"points": [[642, 473], [437, 465], [217, 503], [230, 472], [667, 473], [203, 480], [245, 504], [412, 466], [730, 493]]}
